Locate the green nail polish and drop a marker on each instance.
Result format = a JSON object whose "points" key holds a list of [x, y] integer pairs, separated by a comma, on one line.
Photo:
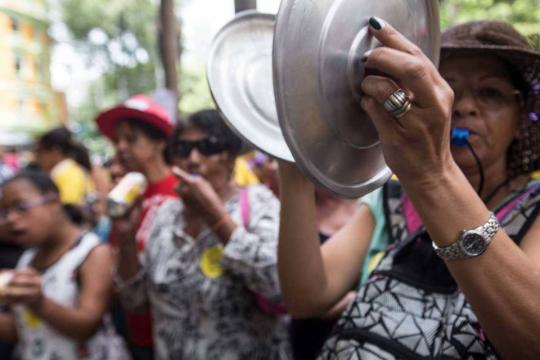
{"points": [[376, 23]]}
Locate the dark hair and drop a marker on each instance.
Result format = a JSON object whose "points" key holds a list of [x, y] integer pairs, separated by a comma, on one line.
{"points": [[211, 123], [81, 155], [44, 184], [150, 131], [39, 179], [517, 80], [62, 139], [58, 138]]}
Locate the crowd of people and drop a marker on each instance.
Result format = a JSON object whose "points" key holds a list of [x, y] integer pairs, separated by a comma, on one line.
{"points": [[228, 255]]}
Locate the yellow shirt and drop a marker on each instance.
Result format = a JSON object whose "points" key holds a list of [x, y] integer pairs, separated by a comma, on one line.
{"points": [[243, 175], [72, 181]]}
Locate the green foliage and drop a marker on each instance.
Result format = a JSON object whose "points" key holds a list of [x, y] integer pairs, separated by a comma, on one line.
{"points": [[113, 17], [523, 14], [120, 36], [194, 89]]}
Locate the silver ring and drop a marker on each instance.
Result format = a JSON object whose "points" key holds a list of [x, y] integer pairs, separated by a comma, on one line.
{"points": [[398, 104]]}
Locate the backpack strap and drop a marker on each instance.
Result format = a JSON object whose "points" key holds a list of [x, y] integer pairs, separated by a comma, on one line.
{"points": [[396, 225]]}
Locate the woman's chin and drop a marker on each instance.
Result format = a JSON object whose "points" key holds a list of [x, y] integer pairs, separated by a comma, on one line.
{"points": [[464, 159]]}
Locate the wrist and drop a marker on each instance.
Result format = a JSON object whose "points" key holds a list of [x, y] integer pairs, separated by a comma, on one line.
{"points": [[37, 306], [216, 223], [224, 228], [126, 242], [435, 180], [215, 216], [447, 204], [290, 173], [294, 186]]}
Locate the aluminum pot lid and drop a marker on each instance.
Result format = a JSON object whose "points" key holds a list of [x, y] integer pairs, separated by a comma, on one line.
{"points": [[239, 73], [317, 76]]}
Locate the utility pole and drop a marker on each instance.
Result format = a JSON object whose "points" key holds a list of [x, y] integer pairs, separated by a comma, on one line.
{"points": [[241, 5], [169, 44]]}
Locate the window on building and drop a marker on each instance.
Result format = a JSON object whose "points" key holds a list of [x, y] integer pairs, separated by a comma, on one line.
{"points": [[14, 24], [44, 70], [18, 64], [20, 105], [38, 35]]}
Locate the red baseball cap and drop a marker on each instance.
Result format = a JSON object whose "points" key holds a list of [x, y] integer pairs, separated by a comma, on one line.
{"points": [[138, 107]]}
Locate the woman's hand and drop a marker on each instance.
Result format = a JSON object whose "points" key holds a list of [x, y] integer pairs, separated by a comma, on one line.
{"points": [[200, 197], [416, 146], [125, 228], [24, 288]]}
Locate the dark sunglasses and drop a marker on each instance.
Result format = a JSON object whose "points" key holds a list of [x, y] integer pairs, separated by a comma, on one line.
{"points": [[208, 146]]}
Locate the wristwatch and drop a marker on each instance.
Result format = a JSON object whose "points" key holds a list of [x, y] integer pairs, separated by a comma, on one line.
{"points": [[471, 243]]}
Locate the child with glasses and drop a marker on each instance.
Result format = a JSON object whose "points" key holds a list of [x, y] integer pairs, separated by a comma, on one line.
{"points": [[59, 293]]}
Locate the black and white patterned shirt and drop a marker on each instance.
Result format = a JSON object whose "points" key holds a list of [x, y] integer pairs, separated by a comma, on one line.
{"points": [[201, 293], [6, 171]]}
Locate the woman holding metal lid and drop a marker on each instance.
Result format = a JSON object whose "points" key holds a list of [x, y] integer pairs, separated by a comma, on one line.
{"points": [[460, 277]]}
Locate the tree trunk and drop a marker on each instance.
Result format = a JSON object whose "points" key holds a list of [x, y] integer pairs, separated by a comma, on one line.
{"points": [[169, 40], [241, 5]]}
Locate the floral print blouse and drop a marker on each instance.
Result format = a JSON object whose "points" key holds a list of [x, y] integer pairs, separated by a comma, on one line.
{"points": [[202, 293]]}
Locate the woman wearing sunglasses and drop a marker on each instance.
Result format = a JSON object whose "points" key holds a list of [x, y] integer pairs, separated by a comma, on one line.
{"points": [[211, 264], [60, 291], [460, 271]]}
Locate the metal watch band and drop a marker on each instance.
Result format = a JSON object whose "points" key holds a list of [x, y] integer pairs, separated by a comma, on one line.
{"points": [[455, 251]]}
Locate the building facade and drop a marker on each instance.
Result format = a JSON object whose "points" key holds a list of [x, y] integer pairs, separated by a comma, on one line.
{"points": [[28, 103]]}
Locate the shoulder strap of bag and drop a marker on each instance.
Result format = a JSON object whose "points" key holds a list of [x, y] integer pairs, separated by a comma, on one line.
{"points": [[396, 225], [244, 207], [265, 305]]}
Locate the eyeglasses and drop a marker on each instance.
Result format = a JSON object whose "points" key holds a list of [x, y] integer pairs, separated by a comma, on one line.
{"points": [[491, 97], [208, 146], [23, 207]]}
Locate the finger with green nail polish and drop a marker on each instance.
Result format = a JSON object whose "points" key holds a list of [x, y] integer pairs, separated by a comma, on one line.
{"points": [[376, 23]]}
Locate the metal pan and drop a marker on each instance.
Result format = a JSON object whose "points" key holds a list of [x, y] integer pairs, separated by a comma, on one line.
{"points": [[317, 73], [239, 74]]}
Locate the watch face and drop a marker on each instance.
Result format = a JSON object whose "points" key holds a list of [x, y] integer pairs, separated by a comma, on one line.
{"points": [[473, 243]]}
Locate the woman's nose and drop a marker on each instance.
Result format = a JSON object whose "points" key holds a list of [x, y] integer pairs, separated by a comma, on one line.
{"points": [[195, 156], [120, 145], [10, 217], [464, 104]]}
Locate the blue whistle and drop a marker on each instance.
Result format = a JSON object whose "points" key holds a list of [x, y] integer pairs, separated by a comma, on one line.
{"points": [[459, 137]]}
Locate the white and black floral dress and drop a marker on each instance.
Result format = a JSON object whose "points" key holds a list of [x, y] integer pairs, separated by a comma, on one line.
{"points": [[202, 294]]}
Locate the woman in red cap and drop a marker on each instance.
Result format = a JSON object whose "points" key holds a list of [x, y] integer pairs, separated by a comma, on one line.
{"points": [[139, 129], [461, 277]]}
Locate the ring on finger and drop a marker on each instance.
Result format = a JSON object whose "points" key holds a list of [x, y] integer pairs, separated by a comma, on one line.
{"points": [[398, 104]]}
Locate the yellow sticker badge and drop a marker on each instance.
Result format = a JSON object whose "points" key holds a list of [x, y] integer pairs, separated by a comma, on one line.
{"points": [[31, 320], [210, 262]]}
